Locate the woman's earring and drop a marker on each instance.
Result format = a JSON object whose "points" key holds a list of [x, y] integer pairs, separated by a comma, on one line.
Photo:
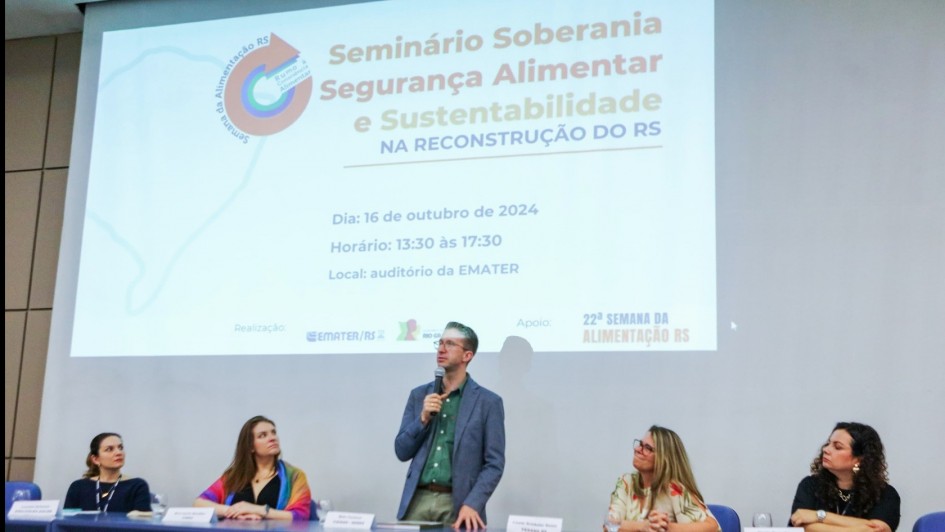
{"points": [[856, 468]]}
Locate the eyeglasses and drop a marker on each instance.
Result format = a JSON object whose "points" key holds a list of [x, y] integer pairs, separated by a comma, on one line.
{"points": [[448, 344], [637, 444]]}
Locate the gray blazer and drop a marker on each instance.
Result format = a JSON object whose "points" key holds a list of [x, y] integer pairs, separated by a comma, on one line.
{"points": [[478, 452]]}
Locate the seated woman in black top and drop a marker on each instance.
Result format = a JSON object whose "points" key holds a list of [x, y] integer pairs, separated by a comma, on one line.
{"points": [[848, 488], [258, 484], [103, 487]]}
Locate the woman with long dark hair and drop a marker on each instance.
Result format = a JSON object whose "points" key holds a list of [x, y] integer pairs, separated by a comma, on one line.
{"points": [[661, 496], [258, 484], [848, 486], [103, 487]]}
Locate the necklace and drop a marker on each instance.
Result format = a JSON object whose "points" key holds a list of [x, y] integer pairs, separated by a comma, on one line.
{"points": [[269, 475], [846, 502]]}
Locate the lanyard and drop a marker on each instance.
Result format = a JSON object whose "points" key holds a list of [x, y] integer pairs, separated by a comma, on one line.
{"points": [[98, 494], [847, 500], [845, 508]]}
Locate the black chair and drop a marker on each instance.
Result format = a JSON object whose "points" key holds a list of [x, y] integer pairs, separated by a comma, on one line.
{"points": [[312, 511], [727, 518]]}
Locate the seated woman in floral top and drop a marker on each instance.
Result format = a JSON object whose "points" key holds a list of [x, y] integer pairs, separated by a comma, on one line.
{"points": [[661, 496]]}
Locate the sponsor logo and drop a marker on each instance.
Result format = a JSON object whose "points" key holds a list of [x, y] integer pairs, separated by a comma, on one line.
{"points": [[408, 331], [344, 336]]}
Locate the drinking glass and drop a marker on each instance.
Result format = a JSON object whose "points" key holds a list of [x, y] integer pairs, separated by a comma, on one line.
{"points": [[761, 520], [322, 507], [158, 504], [612, 521]]}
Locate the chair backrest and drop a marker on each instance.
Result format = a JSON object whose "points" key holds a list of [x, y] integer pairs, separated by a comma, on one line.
{"points": [[933, 522], [312, 509], [11, 489], [727, 518]]}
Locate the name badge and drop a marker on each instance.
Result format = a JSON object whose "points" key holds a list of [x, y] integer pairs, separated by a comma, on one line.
{"points": [[348, 520], [188, 515], [527, 523], [34, 510]]}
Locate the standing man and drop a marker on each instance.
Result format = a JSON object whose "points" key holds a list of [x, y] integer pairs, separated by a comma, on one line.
{"points": [[455, 440]]}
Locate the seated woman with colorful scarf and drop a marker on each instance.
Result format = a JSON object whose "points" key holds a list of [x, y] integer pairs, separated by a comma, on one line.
{"points": [[257, 484]]}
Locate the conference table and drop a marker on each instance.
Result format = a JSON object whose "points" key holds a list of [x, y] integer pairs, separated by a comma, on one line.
{"points": [[116, 522]]}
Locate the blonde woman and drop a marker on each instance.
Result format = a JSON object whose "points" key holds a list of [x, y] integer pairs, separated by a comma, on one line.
{"points": [[661, 496]]}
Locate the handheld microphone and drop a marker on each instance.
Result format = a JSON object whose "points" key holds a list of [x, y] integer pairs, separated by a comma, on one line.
{"points": [[438, 380]]}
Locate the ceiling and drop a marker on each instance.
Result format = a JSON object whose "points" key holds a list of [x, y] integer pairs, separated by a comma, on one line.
{"points": [[35, 18]]}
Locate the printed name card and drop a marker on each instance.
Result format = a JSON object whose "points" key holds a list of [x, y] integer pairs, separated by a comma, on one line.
{"points": [[188, 515], [34, 510], [774, 529], [526, 523], [348, 520]]}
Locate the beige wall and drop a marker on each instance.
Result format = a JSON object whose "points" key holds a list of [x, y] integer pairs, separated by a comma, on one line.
{"points": [[40, 89]]}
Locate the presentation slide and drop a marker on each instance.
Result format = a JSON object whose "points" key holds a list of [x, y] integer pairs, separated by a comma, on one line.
{"points": [[348, 179]]}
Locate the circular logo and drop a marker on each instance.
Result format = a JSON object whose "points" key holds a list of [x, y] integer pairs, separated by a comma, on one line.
{"points": [[268, 89]]}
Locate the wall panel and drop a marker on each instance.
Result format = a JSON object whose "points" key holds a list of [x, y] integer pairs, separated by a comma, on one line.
{"points": [[27, 76]]}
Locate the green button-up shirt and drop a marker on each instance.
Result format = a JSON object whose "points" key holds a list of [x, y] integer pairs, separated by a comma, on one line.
{"points": [[438, 469]]}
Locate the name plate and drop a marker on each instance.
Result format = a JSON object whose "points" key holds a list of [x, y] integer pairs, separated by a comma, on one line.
{"points": [[186, 514], [527, 523], [34, 510], [774, 529], [348, 520]]}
